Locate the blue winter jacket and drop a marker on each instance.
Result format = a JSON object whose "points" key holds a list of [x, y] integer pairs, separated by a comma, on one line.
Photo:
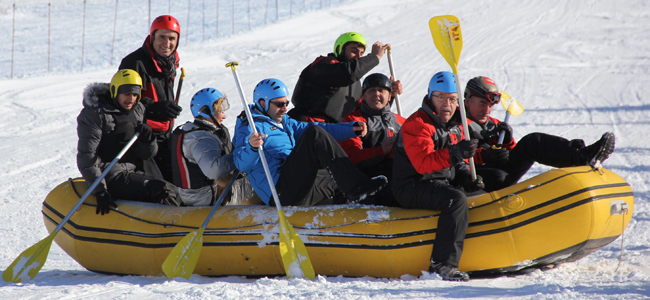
{"points": [[277, 146]]}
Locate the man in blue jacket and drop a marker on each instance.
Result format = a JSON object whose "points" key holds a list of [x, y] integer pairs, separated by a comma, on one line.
{"points": [[298, 153]]}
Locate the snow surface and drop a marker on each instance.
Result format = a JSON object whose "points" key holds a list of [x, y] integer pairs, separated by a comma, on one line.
{"points": [[579, 68]]}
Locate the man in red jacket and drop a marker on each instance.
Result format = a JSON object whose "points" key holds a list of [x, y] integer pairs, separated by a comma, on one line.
{"points": [[373, 153], [504, 165], [329, 88], [156, 62], [430, 171]]}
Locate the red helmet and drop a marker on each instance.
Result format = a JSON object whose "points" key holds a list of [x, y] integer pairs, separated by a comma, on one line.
{"points": [[165, 22]]}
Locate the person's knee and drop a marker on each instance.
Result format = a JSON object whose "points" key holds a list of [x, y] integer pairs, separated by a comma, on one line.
{"points": [[457, 203], [315, 130], [160, 191]]}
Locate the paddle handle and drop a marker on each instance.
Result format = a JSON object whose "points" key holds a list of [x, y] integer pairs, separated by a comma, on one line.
{"points": [[96, 183], [249, 116], [502, 135], [392, 73], [223, 195]]}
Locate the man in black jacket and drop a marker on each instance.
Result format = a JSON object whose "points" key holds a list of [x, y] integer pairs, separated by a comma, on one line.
{"points": [[504, 165], [112, 114], [329, 88], [156, 62]]}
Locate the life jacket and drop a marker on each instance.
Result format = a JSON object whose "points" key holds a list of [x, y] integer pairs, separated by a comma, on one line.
{"points": [[113, 142], [186, 174]]}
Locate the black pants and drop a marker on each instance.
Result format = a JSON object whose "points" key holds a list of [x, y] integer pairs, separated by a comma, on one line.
{"points": [[385, 195], [546, 149], [301, 182], [164, 159], [138, 186], [453, 219]]}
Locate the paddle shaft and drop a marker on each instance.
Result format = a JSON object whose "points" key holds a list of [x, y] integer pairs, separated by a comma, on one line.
{"points": [[180, 85], [97, 181], [223, 195], [461, 104], [463, 117], [502, 135], [392, 73], [249, 116]]}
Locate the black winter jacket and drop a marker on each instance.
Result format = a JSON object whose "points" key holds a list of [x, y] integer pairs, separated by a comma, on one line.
{"points": [[330, 89], [156, 85], [103, 131]]}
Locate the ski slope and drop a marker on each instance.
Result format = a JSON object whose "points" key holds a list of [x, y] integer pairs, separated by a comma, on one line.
{"points": [[579, 68]]}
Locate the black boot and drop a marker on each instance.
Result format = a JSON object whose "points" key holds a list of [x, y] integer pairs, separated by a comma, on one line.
{"points": [[599, 151], [367, 188], [448, 272]]}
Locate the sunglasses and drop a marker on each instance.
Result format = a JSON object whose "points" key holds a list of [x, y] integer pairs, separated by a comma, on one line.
{"points": [[280, 104]]}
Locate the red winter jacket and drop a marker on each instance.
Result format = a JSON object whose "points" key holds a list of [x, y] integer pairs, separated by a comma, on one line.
{"points": [[354, 147]]}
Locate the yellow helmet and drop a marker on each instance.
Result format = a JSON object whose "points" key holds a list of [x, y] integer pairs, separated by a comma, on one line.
{"points": [[126, 79]]}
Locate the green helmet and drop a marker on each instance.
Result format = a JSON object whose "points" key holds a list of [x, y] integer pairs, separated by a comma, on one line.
{"points": [[346, 38]]}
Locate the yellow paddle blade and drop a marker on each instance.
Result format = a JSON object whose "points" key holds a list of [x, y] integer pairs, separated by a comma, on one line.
{"points": [[510, 104], [447, 37], [27, 265], [293, 252], [182, 260]]}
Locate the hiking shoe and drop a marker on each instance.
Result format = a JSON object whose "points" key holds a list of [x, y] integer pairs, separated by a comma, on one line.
{"points": [[594, 154], [367, 188], [448, 272]]}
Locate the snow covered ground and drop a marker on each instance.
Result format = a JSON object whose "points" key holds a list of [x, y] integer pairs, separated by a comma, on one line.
{"points": [[579, 68]]}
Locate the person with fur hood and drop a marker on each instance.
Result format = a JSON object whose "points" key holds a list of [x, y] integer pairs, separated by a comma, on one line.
{"points": [[111, 116]]}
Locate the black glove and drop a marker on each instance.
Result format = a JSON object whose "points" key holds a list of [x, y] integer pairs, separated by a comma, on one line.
{"points": [[161, 110], [464, 149], [146, 134], [104, 202], [495, 156], [471, 186], [503, 126]]}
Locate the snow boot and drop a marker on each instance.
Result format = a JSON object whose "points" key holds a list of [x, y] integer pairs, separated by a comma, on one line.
{"points": [[448, 272], [367, 188], [594, 154]]}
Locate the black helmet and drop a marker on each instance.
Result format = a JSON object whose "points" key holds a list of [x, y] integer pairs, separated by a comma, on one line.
{"points": [[483, 87], [376, 80]]}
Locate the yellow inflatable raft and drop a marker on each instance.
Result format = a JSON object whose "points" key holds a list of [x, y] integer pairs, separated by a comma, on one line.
{"points": [[556, 217]]}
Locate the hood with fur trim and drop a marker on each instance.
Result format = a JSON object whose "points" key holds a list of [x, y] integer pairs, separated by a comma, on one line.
{"points": [[96, 92]]}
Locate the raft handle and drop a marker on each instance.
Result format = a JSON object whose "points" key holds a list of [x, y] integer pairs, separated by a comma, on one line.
{"points": [[618, 207], [508, 198]]}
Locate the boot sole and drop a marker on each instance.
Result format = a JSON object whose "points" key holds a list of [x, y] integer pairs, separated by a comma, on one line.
{"points": [[605, 151]]}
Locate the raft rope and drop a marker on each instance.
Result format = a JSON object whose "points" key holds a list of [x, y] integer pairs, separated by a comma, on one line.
{"points": [[620, 257], [528, 188]]}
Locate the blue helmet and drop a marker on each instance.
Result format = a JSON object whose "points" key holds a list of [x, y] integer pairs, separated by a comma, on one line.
{"points": [[442, 82], [207, 97], [269, 89]]}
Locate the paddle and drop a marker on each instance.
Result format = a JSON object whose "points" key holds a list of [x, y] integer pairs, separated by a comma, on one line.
{"points": [[180, 85], [392, 74], [182, 260], [292, 250], [512, 107], [448, 39], [27, 265]]}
